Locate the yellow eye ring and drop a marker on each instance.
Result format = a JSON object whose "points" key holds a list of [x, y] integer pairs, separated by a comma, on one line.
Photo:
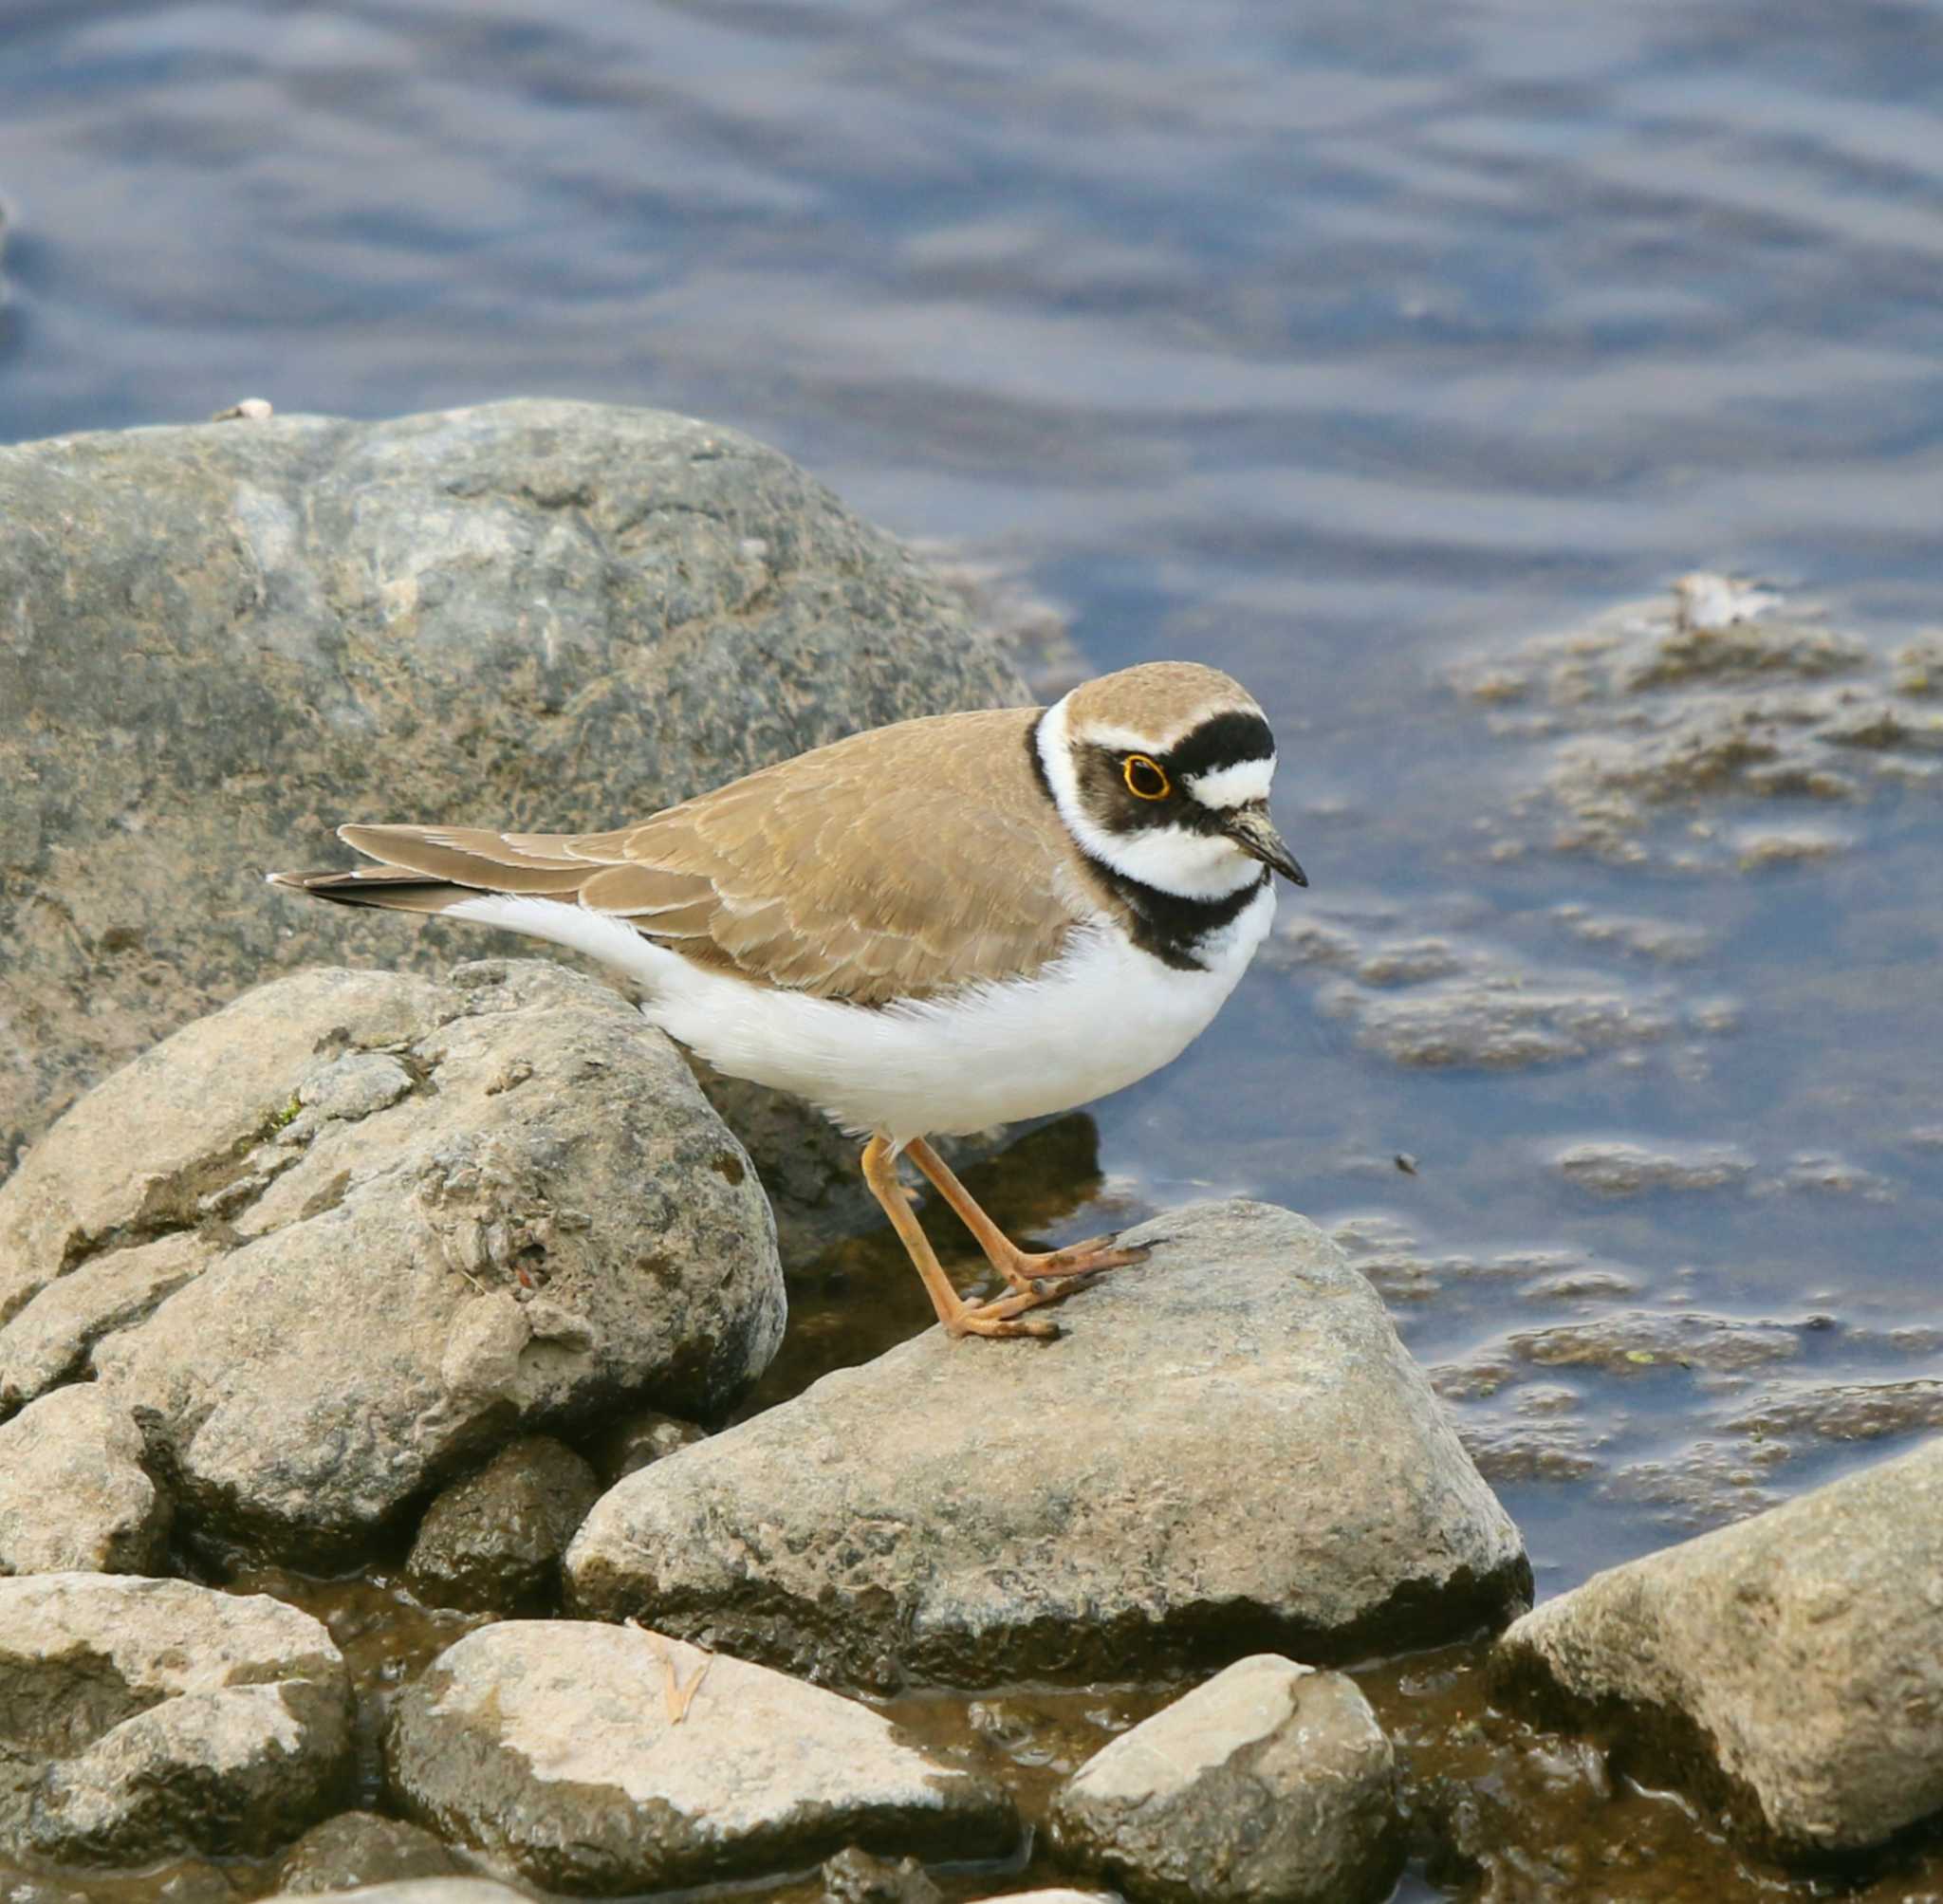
{"points": [[1146, 779]]}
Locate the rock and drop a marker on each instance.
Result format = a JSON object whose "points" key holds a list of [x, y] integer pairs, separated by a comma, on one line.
{"points": [[49, 1339], [1053, 1893], [1169, 1480], [1629, 1341], [854, 1877], [432, 1216], [554, 1747], [1790, 1666], [357, 1848], [143, 1717], [1272, 1783], [638, 1439], [493, 1540], [425, 1891], [546, 614], [74, 1496]]}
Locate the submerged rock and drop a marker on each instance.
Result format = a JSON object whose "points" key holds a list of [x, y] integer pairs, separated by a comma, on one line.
{"points": [[1272, 1783], [854, 1877], [493, 1540], [1696, 700], [74, 1495], [537, 613], [425, 1891], [428, 1216], [360, 1849], [1790, 1666], [144, 1717], [1620, 1168], [603, 1759], [1229, 1445]]}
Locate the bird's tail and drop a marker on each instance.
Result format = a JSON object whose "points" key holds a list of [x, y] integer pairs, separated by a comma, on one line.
{"points": [[431, 869]]}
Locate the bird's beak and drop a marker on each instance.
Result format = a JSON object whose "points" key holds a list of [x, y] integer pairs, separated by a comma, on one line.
{"points": [[1252, 829]]}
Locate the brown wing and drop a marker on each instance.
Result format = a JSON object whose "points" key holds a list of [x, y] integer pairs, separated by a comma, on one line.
{"points": [[902, 862]]}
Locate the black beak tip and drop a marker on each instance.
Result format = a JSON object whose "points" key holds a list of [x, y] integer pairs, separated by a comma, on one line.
{"points": [[1297, 874]]}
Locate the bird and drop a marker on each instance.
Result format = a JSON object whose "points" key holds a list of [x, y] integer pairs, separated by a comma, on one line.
{"points": [[924, 930]]}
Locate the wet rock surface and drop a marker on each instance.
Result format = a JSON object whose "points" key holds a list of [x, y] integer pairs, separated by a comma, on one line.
{"points": [[427, 1890], [606, 1759], [1792, 1665], [1272, 1783], [142, 1717], [854, 1877], [494, 1539], [427, 1215], [358, 1849], [641, 1438], [548, 614], [965, 1517], [74, 1495]]}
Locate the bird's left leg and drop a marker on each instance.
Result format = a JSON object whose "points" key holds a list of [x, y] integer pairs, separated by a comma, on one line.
{"points": [[1019, 1267]]}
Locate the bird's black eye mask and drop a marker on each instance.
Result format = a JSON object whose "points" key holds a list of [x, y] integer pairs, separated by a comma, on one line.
{"points": [[1224, 740]]}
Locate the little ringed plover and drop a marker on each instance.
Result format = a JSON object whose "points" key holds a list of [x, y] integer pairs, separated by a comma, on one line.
{"points": [[925, 929]]}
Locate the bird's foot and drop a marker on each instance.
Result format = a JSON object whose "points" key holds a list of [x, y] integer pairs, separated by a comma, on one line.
{"points": [[1023, 1270], [1001, 1316]]}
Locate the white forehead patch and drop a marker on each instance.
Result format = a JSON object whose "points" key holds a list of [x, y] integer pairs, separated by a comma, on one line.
{"points": [[1234, 785], [1122, 740]]}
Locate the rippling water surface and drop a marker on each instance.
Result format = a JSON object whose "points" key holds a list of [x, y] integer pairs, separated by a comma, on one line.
{"points": [[1349, 348]]}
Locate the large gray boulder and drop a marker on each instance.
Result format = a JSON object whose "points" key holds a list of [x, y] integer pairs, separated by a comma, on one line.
{"points": [[220, 640], [140, 1718], [74, 1495], [600, 1760], [425, 1217], [1272, 1783], [1229, 1445], [1790, 1666]]}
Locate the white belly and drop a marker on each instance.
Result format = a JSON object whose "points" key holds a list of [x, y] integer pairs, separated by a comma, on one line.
{"points": [[1102, 1017]]}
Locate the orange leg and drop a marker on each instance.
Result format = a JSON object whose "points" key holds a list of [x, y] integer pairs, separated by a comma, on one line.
{"points": [[959, 1317], [1019, 1268]]}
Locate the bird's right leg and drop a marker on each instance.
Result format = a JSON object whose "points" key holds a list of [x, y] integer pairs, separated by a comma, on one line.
{"points": [[959, 1317], [1021, 1268]]}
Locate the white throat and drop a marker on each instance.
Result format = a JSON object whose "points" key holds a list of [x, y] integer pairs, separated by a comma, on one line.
{"points": [[1173, 859]]}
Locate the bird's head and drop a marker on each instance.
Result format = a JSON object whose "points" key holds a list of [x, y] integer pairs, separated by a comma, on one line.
{"points": [[1161, 774]]}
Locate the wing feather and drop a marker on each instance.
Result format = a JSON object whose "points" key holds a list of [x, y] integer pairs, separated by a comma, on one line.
{"points": [[905, 862]]}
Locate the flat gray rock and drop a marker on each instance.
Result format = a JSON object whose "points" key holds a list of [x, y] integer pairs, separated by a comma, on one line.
{"points": [[74, 1495], [555, 1748], [1228, 1445], [427, 1216], [1272, 1783], [140, 1718], [219, 641], [1790, 1664]]}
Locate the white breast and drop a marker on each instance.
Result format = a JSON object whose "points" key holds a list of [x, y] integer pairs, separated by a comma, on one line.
{"points": [[1101, 1017]]}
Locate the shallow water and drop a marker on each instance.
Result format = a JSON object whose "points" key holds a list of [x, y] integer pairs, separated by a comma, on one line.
{"points": [[1345, 349]]}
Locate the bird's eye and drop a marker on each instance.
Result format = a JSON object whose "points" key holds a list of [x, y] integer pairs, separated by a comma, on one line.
{"points": [[1146, 779]]}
